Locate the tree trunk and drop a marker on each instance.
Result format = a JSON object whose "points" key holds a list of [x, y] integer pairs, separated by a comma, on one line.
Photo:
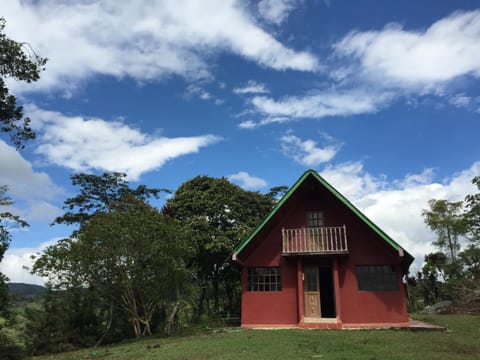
{"points": [[216, 302], [201, 300], [107, 328], [171, 318]]}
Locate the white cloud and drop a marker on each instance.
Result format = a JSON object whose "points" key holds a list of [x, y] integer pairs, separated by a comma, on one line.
{"points": [[306, 152], [83, 144], [197, 91], [318, 104], [251, 124], [145, 40], [448, 49], [31, 190], [276, 11], [252, 87], [396, 205], [247, 181], [17, 262]]}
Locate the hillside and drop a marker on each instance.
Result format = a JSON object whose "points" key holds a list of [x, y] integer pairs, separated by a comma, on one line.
{"points": [[25, 291], [459, 342]]}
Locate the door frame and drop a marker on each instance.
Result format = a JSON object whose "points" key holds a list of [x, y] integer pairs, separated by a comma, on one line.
{"points": [[313, 294], [307, 295]]}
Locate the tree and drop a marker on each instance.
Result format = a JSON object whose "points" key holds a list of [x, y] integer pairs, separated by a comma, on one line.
{"points": [[447, 221], [220, 215], [132, 255], [472, 213], [432, 271], [8, 348], [8, 221], [98, 194], [17, 61], [471, 262]]}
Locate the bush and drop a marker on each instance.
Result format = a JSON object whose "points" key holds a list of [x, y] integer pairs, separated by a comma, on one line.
{"points": [[9, 348]]}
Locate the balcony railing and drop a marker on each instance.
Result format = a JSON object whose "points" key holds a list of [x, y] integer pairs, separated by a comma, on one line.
{"points": [[324, 240]]}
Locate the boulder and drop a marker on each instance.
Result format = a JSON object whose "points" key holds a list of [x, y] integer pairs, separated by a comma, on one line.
{"points": [[442, 307]]}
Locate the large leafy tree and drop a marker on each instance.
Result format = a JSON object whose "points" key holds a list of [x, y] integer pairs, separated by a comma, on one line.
{"points": [[454, 272], [472, 214], [118, 249], [447, 221], [17, 61], [220, 214], [133, 255]]}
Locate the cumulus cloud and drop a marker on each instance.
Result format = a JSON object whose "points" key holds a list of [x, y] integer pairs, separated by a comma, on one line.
{"points": [[17, 262], [247, 181], [145, 40], [448, 49], [276, 11], [252, 87], [396, 204], [84, 144], [33, 191], [368, 70], [306, 152]]}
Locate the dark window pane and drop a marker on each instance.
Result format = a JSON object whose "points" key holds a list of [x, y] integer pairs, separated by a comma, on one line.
{"points": [[264, 279], [377, 278]]}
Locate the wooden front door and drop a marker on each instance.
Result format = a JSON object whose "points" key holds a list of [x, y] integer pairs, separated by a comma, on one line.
{"points": [[312, 292]]}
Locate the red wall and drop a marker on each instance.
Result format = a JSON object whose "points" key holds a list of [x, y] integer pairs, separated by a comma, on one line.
{"points": [[365, 248]]}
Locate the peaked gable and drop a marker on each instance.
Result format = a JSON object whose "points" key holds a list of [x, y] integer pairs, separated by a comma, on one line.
{"points": [[407, 259]]}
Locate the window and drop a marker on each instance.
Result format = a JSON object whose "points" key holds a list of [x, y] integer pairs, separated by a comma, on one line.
{"points": [[315, 219], [264, 279], [377, 278]]}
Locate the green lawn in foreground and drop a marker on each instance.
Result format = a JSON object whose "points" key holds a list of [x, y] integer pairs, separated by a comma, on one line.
{"points": [[461, 341]]}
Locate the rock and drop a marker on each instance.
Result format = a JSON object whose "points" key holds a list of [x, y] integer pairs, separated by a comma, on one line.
{"points": [[442, 307]]}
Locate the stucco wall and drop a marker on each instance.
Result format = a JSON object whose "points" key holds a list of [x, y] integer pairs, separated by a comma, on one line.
{"points": [[365, 248]]}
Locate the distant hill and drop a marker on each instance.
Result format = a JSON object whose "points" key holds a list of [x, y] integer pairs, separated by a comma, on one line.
{"points": [[21, 290]]}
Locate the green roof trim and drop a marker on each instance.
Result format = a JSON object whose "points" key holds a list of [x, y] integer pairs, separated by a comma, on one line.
{"points": [[408, 259]]}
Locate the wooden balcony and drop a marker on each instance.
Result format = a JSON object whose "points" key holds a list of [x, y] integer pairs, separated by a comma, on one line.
{"points": [[315, 241]]}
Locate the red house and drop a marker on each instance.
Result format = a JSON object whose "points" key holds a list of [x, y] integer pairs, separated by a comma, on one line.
{"points": [[317, 261]]}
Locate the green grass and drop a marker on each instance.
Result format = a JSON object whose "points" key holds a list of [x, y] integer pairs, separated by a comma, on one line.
{"points": [[461, 341]]}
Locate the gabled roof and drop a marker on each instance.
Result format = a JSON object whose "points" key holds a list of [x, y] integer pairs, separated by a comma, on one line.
{"points": [[407, 258]]}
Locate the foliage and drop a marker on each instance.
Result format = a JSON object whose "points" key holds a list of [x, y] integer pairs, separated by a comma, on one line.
{"points": [[17, 61], [8, 221], [453, 273], [460, 342], [220, 215], [132, 256], [65, 321], [98, 194], [446, 220], [472, 215]]}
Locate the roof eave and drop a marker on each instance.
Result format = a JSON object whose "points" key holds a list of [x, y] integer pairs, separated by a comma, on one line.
{"points": [[407, 259]]}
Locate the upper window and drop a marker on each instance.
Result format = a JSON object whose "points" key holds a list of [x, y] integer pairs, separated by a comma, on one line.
{"points": [[377, 278], [264, 279], [315, 219]]}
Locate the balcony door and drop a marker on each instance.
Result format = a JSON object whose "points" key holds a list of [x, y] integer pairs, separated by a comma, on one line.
{"points": [[319, 295]]}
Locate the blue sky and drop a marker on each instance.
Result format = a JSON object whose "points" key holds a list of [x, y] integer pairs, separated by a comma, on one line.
{"points": [[380, 97]]}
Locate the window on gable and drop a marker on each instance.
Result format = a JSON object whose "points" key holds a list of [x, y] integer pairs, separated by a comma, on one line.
{"points": [[315, 219], [377, 278], [264, 279]]}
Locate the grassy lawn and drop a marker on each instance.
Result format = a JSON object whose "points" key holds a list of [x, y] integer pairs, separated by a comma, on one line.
{"points": [[461, 341]]}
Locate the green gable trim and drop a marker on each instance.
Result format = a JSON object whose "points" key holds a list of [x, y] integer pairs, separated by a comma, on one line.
{"points": [[408, 259], [272, 213]]}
